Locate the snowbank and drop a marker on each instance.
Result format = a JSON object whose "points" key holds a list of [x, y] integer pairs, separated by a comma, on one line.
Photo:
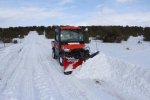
{"points": [[129, 82]]}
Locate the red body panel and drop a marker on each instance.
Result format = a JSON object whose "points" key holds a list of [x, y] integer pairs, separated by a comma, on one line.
{"points": [[72, 46]]}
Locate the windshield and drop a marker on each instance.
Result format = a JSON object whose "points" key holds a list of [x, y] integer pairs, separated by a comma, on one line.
{"points": [[71, 35]]}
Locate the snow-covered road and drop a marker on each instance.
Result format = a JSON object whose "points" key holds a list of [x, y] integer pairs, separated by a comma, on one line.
{"points": [[28, 72]]}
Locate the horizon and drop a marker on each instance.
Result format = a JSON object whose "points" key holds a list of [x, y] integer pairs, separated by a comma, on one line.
{"points": [[76, 25]]}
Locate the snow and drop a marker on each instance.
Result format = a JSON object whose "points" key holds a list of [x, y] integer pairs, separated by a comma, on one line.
{"points": [[2, 45], [123, 73], [28, 72], [128, 81], [137, 54]]}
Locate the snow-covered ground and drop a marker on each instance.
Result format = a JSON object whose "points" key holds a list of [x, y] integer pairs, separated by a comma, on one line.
{"points": [[129, 51], [123, 69], [2, 45], [28, 72]]}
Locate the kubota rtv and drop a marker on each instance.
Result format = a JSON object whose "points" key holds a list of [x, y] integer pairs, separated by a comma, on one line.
{"points": [[69, 48]]}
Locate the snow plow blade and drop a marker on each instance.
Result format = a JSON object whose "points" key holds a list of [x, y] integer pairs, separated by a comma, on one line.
{"points": [[91, 56], [94, 54], [69, 66]]}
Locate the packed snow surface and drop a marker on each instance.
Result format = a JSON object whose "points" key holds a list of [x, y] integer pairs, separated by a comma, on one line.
{"points": [[28, 72]]}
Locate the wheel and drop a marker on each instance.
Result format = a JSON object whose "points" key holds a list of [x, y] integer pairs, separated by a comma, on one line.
{"points": [[53, 54], [61, 60]]}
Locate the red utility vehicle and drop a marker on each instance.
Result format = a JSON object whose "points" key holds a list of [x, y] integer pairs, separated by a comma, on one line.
{"points": [[69, 48]]}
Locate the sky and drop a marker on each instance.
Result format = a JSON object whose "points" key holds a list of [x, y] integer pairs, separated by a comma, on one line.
{"points": [[74, 12]]}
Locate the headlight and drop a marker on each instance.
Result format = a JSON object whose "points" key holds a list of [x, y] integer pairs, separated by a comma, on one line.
{"points": [[66, 50]]}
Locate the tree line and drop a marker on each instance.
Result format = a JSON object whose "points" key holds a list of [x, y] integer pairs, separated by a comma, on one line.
{"points": [[105, 33]]}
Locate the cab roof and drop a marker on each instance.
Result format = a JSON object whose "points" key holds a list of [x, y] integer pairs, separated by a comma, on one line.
{"points": [[70, 28]]}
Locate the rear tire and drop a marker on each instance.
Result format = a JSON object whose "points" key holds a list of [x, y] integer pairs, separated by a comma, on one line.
{"points": [[53, 54], [61, 60]]}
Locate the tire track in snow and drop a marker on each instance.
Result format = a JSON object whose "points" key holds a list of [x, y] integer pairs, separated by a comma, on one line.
{"points": [[13, 78], [11, 67], [14, 90], [44, 82], [8, 56], [26, 85]]}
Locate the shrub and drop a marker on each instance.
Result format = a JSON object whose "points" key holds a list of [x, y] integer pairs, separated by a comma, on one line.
{"points": [[7, 40], [147, 34]]}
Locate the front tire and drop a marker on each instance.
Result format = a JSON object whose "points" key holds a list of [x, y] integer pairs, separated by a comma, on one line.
{"points": [[61, 60]]}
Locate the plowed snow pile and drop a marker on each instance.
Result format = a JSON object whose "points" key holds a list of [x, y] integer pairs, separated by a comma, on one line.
{"points": [[127, 81]]}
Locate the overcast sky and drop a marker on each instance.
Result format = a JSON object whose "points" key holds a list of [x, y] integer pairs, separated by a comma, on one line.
{"points": [[74, 12]]}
